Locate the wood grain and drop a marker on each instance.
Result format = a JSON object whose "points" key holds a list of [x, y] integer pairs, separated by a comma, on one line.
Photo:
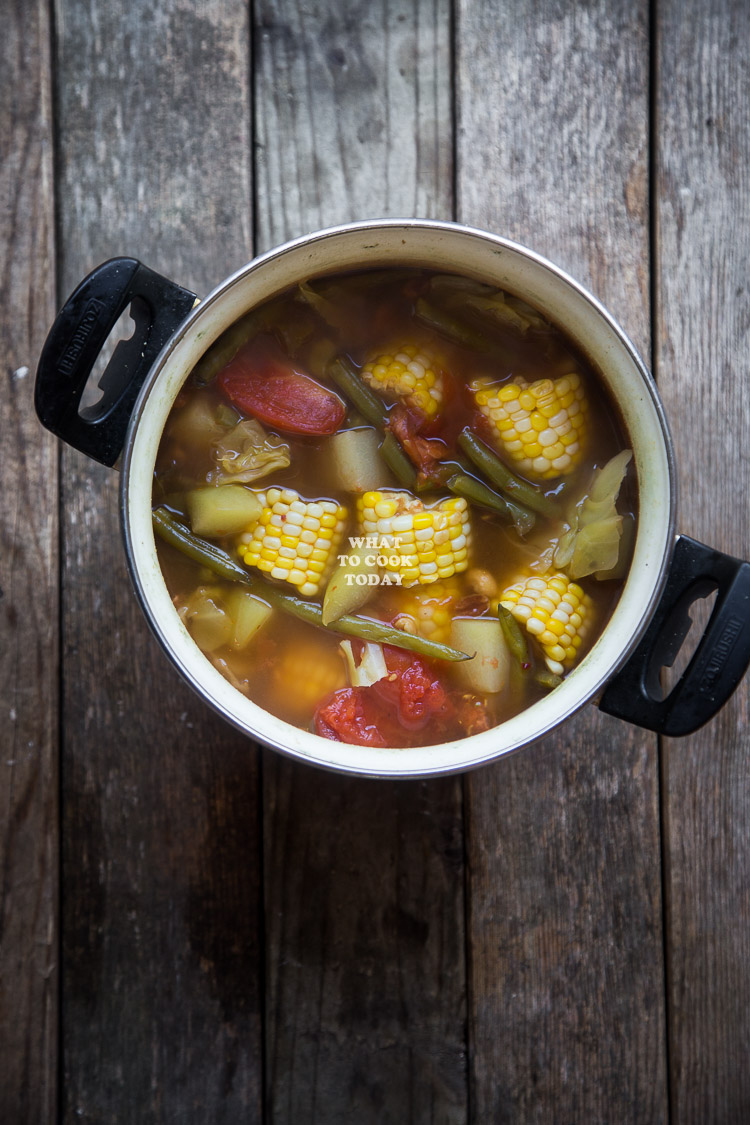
{"points": [[366, 981], [567, 1020], [353, 113], [162, 930], [364, 879], [29, 634], [703, 260]]}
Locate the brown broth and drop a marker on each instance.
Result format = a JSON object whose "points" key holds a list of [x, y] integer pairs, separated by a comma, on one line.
{"points": [[288, 655]]}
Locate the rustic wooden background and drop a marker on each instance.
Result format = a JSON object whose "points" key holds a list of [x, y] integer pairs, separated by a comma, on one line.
{"points": [[195, 930]]}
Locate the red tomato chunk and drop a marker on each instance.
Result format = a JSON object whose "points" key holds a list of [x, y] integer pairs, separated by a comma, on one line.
{"points": [[408, 708], [261, 382]]}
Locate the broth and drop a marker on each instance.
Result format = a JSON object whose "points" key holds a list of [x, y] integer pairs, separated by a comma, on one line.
{"points": [[473, 340]]}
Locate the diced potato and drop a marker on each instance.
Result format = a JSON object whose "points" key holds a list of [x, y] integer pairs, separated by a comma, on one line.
{"points": [[489, 669], [344, 594], [356, 459], [225, 510], [209, 623], [249, 615], [196, 424]]}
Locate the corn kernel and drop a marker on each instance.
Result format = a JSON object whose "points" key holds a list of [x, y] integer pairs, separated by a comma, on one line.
{"points": [[555, 611], [408, 373], [294, 540], [414, 531], [428, 609], [540, 425]]}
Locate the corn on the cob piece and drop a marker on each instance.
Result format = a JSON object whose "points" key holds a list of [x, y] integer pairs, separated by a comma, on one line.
{"points": [[555, 611], [410, 373], [427, 611], [306, 673], [295, 540], [425, 544], [540, 425]]}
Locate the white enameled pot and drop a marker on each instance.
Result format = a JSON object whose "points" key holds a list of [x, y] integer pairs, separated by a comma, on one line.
{"points": [[647, 624]]}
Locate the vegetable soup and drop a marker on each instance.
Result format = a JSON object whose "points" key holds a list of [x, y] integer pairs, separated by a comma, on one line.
{"points": [[395, 507]]}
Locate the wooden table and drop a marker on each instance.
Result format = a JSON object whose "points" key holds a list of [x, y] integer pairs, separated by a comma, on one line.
{"points": [[196, 930]]}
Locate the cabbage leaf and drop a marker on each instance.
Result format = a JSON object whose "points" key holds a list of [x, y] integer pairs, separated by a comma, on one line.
{"points": [[247, 452], [590, 542]]}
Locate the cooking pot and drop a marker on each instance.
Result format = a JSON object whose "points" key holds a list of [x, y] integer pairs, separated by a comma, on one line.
{"points": [[650, 621]]}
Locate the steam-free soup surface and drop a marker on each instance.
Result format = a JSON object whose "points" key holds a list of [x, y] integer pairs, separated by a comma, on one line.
{"points": [[400, 447]]}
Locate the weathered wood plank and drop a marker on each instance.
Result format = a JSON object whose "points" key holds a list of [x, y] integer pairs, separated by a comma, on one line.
{"points": [[364, 903], [703, 258], [563, 839], [161, 897], [366, 983], [29, 634], [353, 113]]}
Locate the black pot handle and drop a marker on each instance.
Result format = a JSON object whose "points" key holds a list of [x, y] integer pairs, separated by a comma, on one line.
{"points": [[157, 306], [718, 663]]}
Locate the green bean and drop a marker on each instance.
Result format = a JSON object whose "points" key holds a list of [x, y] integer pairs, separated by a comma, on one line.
{"points": [[199, 550], [478, 493], [357, 391], [362, 627], [456, 330], [514, 636], [226, 415], [397, 461], [438, 476], [174, 499], [487, 461], [226, 347], [222, 564], [547, 679], [519, 648]]}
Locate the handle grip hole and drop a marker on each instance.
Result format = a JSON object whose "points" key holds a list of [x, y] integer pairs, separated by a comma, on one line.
{"points": [[116, 362], [681, 635]]}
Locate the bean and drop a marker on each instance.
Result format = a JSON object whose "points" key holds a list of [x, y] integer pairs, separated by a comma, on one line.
{"points": [[199, 550], [487, 461], [372, 408], [226, 347], [456, 330], [547, 679], [362, 627], [519, 648], [397, 461], [357, 391], [514, 636], [478, 493]]}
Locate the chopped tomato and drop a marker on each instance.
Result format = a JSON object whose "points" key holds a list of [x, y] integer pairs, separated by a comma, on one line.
{"points": [[415, 692], [348, 716], [409, 707], [471, 713], [426, 454], [261, 381]]}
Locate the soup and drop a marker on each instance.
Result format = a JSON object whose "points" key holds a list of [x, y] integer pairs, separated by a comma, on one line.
{"points": [[395, 507]]}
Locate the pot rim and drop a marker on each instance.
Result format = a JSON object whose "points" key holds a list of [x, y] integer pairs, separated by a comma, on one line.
{"points": [[439, 767]]}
